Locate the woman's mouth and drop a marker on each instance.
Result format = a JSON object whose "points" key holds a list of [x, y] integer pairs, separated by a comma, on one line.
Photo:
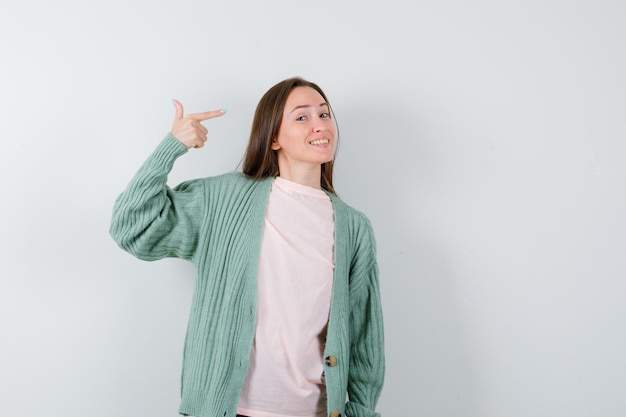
{"points": [[319, 142]]}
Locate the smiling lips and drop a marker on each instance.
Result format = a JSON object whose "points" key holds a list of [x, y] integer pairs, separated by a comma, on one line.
{"points": [[319, 142]]}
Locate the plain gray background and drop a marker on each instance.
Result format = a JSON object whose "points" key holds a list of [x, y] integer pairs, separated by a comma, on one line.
{"points": [[485, 140]]}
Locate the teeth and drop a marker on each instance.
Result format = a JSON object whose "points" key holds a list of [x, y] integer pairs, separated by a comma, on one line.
{"points": [[319, 142]]}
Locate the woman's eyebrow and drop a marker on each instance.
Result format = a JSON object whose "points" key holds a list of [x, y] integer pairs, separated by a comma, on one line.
{"points": [[307, 106]]}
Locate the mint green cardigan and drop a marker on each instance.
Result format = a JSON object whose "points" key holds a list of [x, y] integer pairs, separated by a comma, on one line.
{"points": [[216, 224]]}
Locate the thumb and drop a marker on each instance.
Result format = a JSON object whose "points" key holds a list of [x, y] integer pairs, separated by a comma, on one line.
{"points": [[179, 110]]}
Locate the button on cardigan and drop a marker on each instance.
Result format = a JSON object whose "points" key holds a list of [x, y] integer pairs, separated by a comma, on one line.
{"points": [[216, 223]]}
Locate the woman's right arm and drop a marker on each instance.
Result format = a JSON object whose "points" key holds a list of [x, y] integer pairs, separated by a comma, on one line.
{"points": [[151, 220]]}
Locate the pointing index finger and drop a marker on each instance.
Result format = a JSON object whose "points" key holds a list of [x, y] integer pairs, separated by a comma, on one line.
{"points": [[200, 117]]}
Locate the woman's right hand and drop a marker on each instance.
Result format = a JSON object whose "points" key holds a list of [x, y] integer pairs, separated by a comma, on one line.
{"points": [[188, 130]]}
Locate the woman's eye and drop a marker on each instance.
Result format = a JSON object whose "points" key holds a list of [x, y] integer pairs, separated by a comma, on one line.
{"points": [[324, 115], [301, 118]]}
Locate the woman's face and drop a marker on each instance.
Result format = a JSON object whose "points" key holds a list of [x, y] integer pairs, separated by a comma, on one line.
{"points": [[306, 137]]}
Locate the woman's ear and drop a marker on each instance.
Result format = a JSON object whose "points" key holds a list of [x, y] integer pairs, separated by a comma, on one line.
{"points": [[275, 145]]}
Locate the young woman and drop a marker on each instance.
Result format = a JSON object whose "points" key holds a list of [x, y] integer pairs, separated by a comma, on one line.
{"points": [[286, 318]]}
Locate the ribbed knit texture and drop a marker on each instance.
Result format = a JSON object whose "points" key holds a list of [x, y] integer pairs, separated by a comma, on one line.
{"points": [[216, 223]]}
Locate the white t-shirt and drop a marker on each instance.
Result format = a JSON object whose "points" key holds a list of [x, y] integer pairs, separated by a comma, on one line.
{"points": [[296, 268]]}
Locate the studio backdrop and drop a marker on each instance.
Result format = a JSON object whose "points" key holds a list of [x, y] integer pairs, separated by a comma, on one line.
{"points": [[485, 140]]}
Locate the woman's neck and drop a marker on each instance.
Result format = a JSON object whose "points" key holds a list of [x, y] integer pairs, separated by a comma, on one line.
{"points": [[304, 175]]}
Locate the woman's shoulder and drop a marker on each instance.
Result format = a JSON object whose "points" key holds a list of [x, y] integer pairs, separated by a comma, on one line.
{"points": [[347, 208], [354, 229], [233, 183], [355, 218], [228, 178], [233, 179]]}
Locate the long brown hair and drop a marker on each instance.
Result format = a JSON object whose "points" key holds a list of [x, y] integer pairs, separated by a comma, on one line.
{"points": [[260, 160]]}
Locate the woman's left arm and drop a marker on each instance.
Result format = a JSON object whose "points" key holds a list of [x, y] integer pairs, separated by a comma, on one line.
{"points": [[367, 356]]}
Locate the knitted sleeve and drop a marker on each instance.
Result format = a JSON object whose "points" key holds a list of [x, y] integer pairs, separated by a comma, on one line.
{"points": [[367, 357], [152, 221]]}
